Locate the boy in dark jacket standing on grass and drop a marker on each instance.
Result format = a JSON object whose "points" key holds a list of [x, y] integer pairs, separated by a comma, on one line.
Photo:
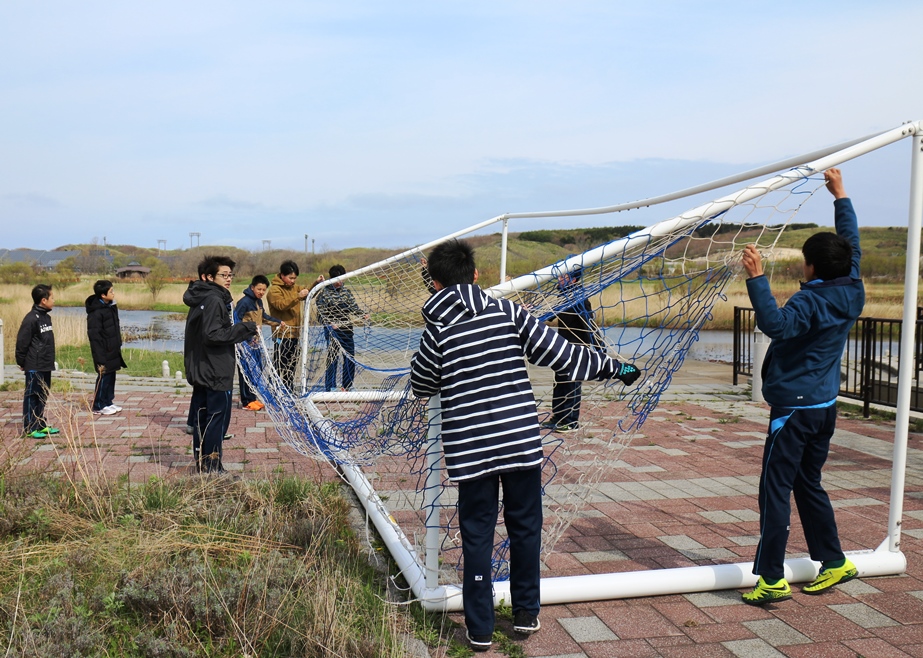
{"points": [[35, 356], [105, 336], [801, 380], [210, 359], [473, 353]]}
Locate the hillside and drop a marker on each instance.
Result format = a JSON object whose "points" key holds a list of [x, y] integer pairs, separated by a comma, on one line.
{"points": [[884, 252]]}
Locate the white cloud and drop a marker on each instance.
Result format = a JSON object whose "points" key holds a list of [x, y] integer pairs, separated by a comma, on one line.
{"points": [[377, 113]]}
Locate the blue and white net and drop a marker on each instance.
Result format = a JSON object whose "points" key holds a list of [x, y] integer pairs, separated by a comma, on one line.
{"points": [[651, 293]]}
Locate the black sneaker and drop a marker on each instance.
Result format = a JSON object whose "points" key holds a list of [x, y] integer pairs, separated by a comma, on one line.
{"points": [[548, 425], [568, 427], [478, 642], [525, 623]]}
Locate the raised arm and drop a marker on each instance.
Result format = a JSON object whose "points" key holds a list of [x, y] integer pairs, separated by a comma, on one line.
{"points": [[844, 217]]}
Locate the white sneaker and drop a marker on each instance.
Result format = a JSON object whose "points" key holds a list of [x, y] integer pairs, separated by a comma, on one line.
{"points": [[116, 407], [108, 411]]}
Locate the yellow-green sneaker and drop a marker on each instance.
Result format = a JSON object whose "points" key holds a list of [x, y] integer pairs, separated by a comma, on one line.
{"points": [[830, 576], [763, 593]]}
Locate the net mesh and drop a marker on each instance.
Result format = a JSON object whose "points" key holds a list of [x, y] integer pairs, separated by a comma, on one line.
{"points": [[650, 292]]}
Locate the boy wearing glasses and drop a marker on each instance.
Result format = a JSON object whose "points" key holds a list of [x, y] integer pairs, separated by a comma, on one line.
{"points": [[210, 359]]}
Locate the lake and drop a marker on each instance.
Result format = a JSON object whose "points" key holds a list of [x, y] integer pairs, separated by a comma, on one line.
{"points": [[163, 332]]}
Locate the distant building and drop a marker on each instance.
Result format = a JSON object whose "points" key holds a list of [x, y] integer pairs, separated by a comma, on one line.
{"points": [[44, 259], [132, 271]]}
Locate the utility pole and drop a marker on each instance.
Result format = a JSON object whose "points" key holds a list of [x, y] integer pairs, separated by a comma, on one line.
{"points": [[312, 246], [305, 245], [194, 235], [161, 246], [266, 245]]}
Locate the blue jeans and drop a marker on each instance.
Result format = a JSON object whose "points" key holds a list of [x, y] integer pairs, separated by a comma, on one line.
{"points": [[337, 338], [795, 451], [38, 383], [477, 520], [105, 390]]}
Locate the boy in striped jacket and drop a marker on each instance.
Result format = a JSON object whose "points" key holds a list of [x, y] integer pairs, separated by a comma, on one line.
{"points": [[473, 353]]}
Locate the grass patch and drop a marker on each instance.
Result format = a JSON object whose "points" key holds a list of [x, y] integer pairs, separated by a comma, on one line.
{"points": [[187, 567], [141, 363]]}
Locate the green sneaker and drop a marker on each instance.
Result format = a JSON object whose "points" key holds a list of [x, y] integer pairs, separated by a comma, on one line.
{"points": [[763, 593], [51, 430], [828, 577], [37, 434]]}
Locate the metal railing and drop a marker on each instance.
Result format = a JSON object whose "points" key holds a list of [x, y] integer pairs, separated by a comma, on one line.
{"points": [[869, 368]]}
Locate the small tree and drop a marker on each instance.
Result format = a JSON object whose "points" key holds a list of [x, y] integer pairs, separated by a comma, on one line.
{"points": [[156, 279]]}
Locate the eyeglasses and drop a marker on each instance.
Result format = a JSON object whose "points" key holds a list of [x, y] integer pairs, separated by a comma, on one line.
{"points": [[227, 276]]}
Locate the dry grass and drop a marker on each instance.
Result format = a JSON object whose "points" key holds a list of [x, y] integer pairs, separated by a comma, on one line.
{"points": [[197, 566]]}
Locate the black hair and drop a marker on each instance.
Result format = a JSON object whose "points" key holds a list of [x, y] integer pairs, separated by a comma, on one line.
{"points": [[211, 264], [337, 270], [258, 279], [40, 292], [829, 253], [452, 263], [200, 270], [289, 267], [101, 287]]}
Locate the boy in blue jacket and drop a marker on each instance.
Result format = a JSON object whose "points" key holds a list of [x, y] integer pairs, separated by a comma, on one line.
{"points": [[250, 309], [801, 380], [473, 352]]}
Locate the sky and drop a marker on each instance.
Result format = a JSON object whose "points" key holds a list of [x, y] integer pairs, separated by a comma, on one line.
{"points": [[390, 124]]}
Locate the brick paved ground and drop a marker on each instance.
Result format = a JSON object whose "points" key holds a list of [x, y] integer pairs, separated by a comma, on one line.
{"points": [[684, 494]]}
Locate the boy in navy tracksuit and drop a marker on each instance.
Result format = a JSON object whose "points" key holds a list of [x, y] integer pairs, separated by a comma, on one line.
{"points": [[473, 353], [35, 357], [801, 380]]}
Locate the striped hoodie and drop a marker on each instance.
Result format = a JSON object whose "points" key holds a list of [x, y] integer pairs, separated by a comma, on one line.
{"points": [[473, 351]]}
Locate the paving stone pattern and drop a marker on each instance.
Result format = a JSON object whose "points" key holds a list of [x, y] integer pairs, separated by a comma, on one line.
{"points": [[683, 494]]}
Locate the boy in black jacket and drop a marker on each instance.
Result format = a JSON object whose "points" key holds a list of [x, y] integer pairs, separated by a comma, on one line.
{"points": [[35, 357], [105, 336], [210, 359]]}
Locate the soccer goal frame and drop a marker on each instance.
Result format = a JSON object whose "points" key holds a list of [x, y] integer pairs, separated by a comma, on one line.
{"points": [[422, 575]]}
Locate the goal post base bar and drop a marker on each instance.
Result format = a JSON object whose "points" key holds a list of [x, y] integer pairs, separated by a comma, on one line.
{"points": [[593, 587], [659, 582]]}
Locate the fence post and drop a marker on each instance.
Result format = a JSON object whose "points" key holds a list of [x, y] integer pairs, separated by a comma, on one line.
{"points": [[865, 385], [736, 342], [760, 346]]}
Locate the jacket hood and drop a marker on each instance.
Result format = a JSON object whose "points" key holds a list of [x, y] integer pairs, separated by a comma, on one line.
{"points": [[455, 304], [248, 292], [838, 296], [94, 303], [198, 291], [277, 281]]}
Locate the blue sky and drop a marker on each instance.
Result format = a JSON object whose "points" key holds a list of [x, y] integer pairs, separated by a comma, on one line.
{"points": [[391, 123]]}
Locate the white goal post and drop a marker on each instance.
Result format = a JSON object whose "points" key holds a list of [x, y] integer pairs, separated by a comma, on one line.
{"points": [[420, 565]]}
